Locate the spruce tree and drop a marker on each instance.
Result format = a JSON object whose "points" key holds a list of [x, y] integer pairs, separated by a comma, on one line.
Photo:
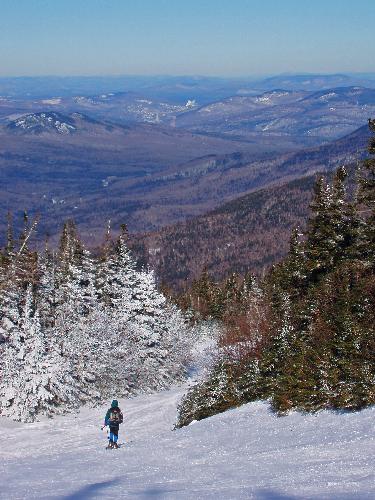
{"points": [[328, 226], [116, 271]]}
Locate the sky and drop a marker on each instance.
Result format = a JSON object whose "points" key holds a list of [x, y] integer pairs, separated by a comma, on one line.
{"points": [[186, 37]]}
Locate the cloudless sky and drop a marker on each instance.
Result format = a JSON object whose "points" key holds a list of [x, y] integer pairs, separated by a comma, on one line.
{"points": [[207, 37]]}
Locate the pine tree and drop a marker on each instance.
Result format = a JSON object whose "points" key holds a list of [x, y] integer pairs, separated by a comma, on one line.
{"points": [[247, 289], [70, 246], [11, 294], [278, 351], [216, 394], [76, 300], [154, 331]]}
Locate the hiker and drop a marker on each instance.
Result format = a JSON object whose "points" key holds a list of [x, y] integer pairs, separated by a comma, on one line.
{"points": [[113, 419]]}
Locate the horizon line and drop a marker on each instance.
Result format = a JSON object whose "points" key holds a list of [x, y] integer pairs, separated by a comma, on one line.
{"points": [[193, 75]]}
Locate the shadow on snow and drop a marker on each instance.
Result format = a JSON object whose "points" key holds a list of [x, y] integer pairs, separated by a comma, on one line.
{"points": [[90, 490]]}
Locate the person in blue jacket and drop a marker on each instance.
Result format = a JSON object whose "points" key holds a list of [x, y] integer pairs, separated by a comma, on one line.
{"points": [[113, 418]]}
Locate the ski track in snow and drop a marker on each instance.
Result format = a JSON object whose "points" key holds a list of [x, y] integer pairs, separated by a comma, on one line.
{"points": [[244, 453]]}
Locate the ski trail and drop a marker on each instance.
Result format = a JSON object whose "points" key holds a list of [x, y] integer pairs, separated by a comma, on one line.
{"points": [[244, 453]]}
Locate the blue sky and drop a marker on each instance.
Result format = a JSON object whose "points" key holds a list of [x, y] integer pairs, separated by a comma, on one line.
{"points": [[207, 37]]}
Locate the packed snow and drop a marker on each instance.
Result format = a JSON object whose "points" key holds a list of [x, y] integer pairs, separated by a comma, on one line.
{"points": [[247, 452]]}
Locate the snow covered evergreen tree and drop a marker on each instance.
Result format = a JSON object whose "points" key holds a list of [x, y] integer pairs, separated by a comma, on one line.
{"points": [[47, 288], [34, 379], [116, 271], [81, 330]]}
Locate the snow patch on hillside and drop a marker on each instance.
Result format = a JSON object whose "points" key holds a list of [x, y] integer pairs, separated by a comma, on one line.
{"points": [[55, 100], [40, 122]]}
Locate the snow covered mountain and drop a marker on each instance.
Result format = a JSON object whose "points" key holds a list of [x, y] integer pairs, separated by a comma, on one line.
{"points": [[53, 123], [38, 123]]}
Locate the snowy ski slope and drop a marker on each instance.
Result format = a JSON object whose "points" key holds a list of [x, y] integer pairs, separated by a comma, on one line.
{"points": [[242, 454]]}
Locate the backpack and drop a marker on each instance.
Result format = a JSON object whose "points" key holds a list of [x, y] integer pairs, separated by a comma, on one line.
{"points": [[115, 416]]}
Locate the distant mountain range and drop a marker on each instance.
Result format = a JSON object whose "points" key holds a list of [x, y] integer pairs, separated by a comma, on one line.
{"points": [[279, 119], [140, 156], [144, 175], [50, 123], [295, 117], [40, 123], [311, 82]]}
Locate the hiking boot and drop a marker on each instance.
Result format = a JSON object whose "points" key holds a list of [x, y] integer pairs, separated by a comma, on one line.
{"points": [[115, 445], [110, 445]]}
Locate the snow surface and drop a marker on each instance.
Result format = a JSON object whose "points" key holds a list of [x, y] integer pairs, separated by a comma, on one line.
{"points": [[244, 453]]}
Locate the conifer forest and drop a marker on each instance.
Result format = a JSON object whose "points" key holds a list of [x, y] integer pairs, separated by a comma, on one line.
{"points": [[78, 326], [76, 329], [303, 336]]}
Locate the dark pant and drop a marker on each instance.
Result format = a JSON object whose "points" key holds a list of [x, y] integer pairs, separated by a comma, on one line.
{"points": [[113, 434]]}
